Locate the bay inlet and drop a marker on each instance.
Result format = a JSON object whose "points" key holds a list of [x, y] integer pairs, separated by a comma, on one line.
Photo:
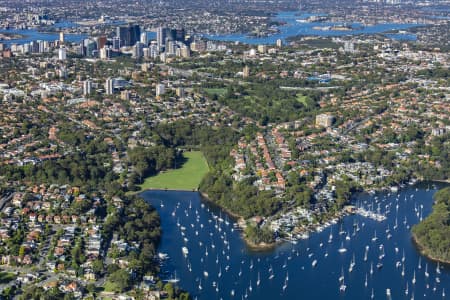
{"points": [[348, 260]]}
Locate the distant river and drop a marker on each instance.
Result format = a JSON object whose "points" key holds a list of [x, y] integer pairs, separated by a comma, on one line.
{"points": [[30, 35], [220, 266], [294, 28]]}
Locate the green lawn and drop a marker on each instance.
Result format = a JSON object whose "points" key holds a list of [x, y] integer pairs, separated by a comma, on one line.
{"points": [[218, 91], [302, 99], [188, 177]]}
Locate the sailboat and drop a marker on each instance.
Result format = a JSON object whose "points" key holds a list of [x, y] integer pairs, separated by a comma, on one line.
{"points": [[341, 231], [365, 253], [381, 256], [341, 278], [438, 270], [414, 277], [426, 271], [285, 282], [250, 288], [342, 287], [365, 282], [174, 279], [200, 285], [403, 270], [371, 268], [372, 295], [352, 264], [420, 262], [258, 281], [374, 239], [342, 249], [406, 290]]}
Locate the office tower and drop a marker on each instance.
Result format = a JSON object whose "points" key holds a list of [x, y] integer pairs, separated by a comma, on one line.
{"points": [[109, 86], [262, 49], [61, 37], [101, 42], [137, 50], [135, 34], [161, 37], [87, 87], [116, 43], [153, 51], [26, 49], [62, 54], [198, 46], [180, 35], [122, 35], [103, 53], [128, 35], [91, 46], [41, 47], [144, 38], [170, 47], [279, 43], [185, 51]]}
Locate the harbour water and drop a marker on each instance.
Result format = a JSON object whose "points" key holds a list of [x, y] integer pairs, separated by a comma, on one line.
{"points": [[216, 264], [293, 28], [290, 29], [29, 35]]}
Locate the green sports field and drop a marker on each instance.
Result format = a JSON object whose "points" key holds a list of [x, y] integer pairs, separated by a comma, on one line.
{"points": [[187, 178]]}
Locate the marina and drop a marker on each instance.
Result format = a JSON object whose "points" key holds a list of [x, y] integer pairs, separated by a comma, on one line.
{"points": [[326, 265]]}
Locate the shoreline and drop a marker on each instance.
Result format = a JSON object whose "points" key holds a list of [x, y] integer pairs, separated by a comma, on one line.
{"points": [[425, 251], [239, 221]]}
